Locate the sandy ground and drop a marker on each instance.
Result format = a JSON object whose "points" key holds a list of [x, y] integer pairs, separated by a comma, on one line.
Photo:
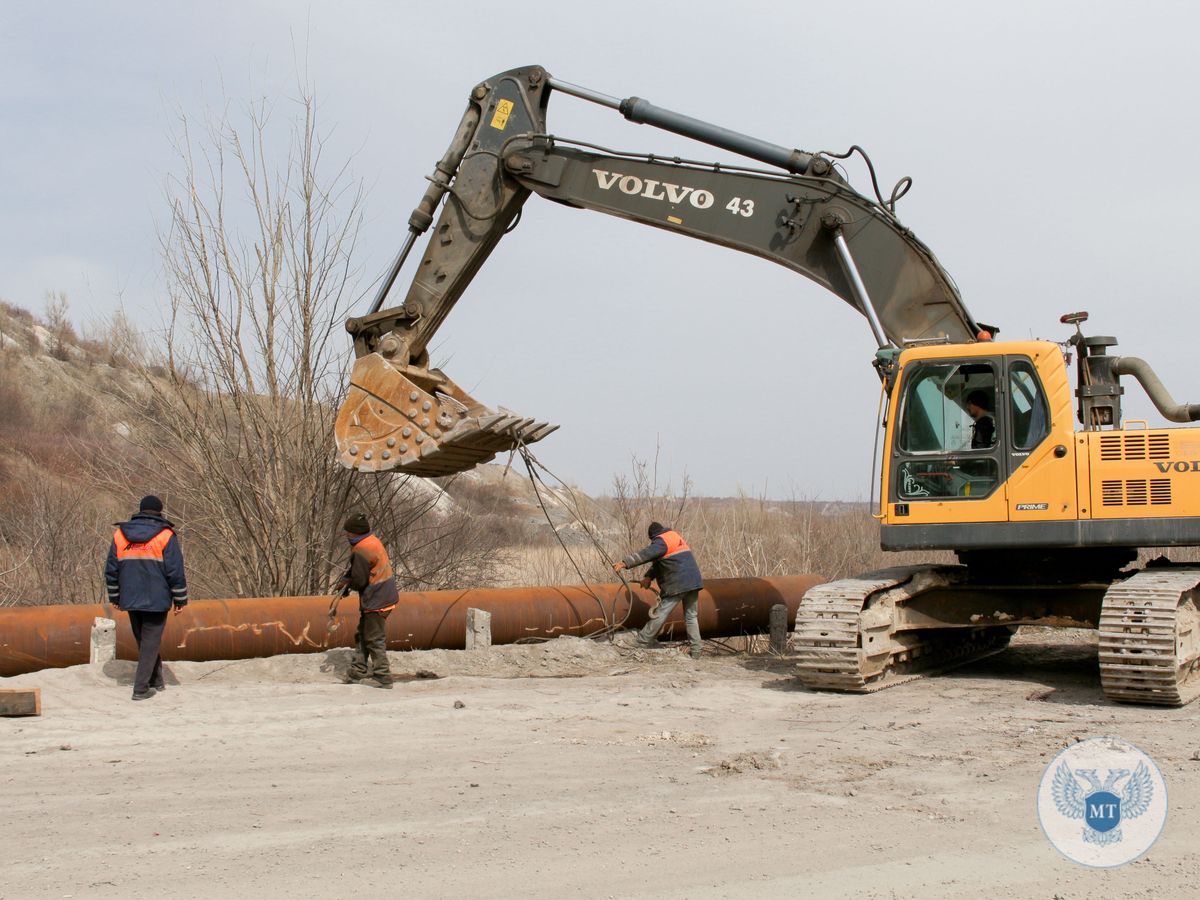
{"points": [[571, 768]]}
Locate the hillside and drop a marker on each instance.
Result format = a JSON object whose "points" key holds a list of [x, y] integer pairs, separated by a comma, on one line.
{"points": [[70, 466]]}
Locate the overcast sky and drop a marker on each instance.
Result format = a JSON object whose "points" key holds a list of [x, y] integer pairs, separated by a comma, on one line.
{"points": [[1052, 144]]}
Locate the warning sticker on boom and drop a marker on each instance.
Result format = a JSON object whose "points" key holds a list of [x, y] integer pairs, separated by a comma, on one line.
{"points": [[503, 111]]}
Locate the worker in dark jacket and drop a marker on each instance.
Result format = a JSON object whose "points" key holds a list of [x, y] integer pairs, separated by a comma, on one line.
{"points": [[370, 574], [144, 576], [674, 568]]}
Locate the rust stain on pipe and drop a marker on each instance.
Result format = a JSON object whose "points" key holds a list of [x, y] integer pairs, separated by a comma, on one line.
{"points": [[39, 637]]}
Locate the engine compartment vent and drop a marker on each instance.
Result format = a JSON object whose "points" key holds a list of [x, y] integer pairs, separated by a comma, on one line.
{"points": [[1136, 492], [1138, 446]]}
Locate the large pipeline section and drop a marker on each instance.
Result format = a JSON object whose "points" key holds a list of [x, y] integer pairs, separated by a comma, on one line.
{"points": [[40, 637]]}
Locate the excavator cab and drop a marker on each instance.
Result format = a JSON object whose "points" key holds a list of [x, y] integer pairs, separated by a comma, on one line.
{"points": [[973, 432]]}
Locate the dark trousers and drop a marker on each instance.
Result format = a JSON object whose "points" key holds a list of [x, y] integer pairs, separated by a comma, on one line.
{"points": [[147, 631], [370, 653]]}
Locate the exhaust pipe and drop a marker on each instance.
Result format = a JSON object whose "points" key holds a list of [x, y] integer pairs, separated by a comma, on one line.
{"points": [[1159, 396]]}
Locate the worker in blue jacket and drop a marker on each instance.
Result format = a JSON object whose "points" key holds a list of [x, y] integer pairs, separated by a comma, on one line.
{"points": [[144, 576], [674, 568]]}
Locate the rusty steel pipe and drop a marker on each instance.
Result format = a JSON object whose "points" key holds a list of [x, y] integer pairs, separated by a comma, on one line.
{"points": [[39, 637]]}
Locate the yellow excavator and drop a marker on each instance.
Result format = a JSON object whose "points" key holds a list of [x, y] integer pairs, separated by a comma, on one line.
{"points": [[1046, 494]]}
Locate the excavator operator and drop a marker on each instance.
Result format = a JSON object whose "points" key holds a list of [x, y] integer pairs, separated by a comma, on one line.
{"points": [[983, 431]]}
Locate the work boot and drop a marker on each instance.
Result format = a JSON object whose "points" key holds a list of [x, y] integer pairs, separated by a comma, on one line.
{"points": [[385, 683], [694, 654], [144, 695]]}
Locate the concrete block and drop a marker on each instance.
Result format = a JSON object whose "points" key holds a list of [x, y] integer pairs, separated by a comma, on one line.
{"points": [[479, 629], [104, 641], [779, 628]]}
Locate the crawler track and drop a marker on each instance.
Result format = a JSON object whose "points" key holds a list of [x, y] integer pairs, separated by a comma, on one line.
{"points": [[845, 640], [1150, 638]]}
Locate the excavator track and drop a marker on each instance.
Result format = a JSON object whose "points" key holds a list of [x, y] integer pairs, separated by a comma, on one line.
{"points": [[845, 640], [1150, 638], [827, 638]]}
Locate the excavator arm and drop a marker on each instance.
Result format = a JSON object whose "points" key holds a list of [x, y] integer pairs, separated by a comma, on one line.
{"points": [[401, 414]]}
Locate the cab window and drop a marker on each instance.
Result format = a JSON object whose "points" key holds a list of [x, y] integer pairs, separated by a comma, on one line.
{"points": [[1030, 416], [948, 432]]}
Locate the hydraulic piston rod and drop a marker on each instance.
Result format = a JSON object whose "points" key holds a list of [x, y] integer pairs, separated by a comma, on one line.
{"points": [[39, 637], [643, 112], [858, 288]]}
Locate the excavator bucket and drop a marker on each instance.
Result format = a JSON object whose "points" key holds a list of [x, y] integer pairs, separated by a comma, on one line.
{"points": [[419, 422]]}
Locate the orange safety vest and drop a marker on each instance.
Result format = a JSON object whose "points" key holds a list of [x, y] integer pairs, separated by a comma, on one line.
{"points": [[151, 549], [372, 548], [675, 543], [381, 567]]}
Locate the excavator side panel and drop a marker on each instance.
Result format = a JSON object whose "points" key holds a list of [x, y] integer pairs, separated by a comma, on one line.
{"points": [[1140, 473]]}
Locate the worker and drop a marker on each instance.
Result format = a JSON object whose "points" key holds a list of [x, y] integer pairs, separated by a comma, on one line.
{"points": [[983, 430], [674, 568], [144, 576], [370, 574]]}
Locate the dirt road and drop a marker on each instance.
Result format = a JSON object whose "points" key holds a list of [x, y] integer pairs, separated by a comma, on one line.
{"points": [[571, 769]]}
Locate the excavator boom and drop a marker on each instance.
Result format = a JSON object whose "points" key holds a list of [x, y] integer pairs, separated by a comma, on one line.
{"points": [[400, 414]]}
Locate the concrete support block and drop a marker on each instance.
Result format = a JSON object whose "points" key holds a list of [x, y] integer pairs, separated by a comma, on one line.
{"points": [[104, 641], [779, 628], [479, 629]]}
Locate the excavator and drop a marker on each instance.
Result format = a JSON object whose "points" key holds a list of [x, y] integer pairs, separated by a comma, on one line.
{"points": [[1045, 494]]}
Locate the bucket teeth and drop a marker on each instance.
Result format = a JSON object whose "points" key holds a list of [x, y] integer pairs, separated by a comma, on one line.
{"points": [[388, 422]]}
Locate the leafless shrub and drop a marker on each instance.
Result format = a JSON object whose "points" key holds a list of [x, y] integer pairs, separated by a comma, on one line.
{"points": [[48, 539], [58, 323], [638, 499]]}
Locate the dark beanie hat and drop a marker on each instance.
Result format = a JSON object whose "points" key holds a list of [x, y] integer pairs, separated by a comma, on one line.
{"points": [[150, 503], [357, 524], [655, 529]]}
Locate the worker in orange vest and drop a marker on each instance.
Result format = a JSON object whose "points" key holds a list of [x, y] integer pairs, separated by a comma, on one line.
{"points": [[144, 577], [370, 574], [674, 568]]}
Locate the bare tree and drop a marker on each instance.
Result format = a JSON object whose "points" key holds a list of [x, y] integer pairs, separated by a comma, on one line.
{"points": [[236, 424], [638, 499]]}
